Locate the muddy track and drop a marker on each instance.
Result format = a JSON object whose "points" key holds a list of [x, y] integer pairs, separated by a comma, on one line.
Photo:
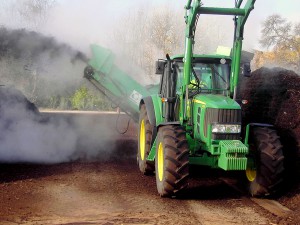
{"points": [[115, 192]]}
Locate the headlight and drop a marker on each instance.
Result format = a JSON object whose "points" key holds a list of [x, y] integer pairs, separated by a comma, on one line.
{"points": [[226, 128]]}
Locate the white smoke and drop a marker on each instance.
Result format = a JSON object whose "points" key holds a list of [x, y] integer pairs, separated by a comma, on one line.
{"points": [[32, 61], [29, 136]]}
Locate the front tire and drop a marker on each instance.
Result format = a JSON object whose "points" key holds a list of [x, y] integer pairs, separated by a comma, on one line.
{"points": [[172, 160], [265, 175], [144, 142]]}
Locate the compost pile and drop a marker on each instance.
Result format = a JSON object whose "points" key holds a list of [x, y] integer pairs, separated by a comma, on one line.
{"points": [[12, 102], [23, 44], [274, 97], [39, 66]]}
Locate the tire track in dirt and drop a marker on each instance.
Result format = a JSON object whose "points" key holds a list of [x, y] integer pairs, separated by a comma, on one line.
{"points": [[115, 192]]}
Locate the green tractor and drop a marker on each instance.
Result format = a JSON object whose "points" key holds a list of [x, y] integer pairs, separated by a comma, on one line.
{"points": [[195, 118]]}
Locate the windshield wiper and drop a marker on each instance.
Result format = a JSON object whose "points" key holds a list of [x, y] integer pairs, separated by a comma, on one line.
{"points": [[213, 67]]}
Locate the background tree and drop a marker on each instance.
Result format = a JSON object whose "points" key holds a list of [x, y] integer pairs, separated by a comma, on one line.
{"points": [[284, 40], [149, 33], [29, 14]]}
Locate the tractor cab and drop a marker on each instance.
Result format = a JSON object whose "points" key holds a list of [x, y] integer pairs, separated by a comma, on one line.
{"points": [[209, 75]]}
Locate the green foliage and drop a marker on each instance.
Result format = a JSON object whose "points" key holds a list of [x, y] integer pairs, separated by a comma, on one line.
{"points": [[81, 99]]}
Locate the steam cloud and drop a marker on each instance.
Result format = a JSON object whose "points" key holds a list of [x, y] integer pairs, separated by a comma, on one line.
{"points": [[25, 138], [27, 135], [29, 58]]}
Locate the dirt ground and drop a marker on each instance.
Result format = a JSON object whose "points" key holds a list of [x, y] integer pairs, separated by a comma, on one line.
{"points": [[113, 191]]}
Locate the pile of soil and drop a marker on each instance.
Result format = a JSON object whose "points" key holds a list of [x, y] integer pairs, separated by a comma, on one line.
{"points": [[10, 96], [22, 44], [14, 106], [273, 97]]}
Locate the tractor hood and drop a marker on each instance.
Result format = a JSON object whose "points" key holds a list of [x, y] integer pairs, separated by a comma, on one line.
{"points": [[216, 101]]}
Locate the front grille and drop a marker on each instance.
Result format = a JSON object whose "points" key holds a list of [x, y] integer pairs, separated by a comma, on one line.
{"points": [[222, 116]]}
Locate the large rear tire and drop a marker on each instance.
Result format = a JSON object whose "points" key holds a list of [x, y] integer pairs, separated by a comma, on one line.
{"points": [[172, 160], [265, 175], [144, 142]]}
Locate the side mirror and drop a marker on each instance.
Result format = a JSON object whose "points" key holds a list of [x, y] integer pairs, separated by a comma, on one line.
{"points": [[160, 66], [246, 69]]}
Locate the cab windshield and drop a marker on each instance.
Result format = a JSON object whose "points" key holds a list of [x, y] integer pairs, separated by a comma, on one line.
{"points": [[206, 78]]}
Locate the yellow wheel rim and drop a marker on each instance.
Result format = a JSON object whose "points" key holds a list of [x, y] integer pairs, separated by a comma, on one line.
{"points": [[160, 162], [251, 174], [142, 140]]}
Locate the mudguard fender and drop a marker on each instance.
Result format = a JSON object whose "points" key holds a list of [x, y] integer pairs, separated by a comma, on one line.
{"points": [[150, 109]]}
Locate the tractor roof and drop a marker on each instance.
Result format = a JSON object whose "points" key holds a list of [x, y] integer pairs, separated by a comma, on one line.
{"points": [[203, 58]]}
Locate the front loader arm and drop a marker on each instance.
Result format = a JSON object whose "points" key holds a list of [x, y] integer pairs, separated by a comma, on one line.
{"points": [[194, 8]]}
